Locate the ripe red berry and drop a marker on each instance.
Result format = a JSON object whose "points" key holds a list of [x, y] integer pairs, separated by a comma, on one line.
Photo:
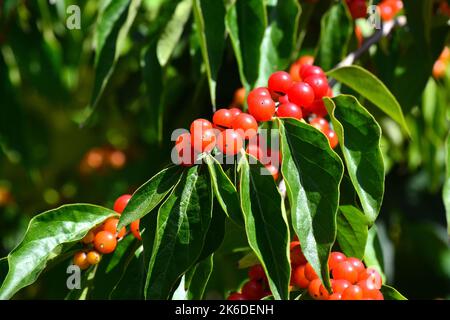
{"points": [[134, 228], [308, 70], [317, 291], [200, 125], [345, 271], [299, 278], [229, 142], [387, 13], [89, 237], [318, 108], [339, 286], [320, 124], [371, 277], [110, 225], [289, 110], [261, 107], [309, 60], [273, 170], [352, 293], [256, 272], [203, 140], [246, 125], [358, 9], [310, 274], [105, 242], [301, 94], [237, 296], [283, 99], [280, 82], [359, 266], [297, 257], [335, 296], [253, 290], [186, 153], [319, 84], [332, 138], [80, 260], [255, 150], [235, 112], [239, 97], [294, 71], [223, 118], [93, 257], [335, 258], [121, 203]]}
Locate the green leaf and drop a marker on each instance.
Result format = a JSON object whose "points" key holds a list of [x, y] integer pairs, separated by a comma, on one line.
{"points": [[335, 34], [246, 21], [370, 87], [43, 241], [210, 19], [224, 190], [279, 39], [373, 254], [446, 189], [149, 195], [390, 293], [250, 259], [266, 225], [197, 278], [359, 139], [114, 23], [352, 231], [183, 221], [171, 34], [312, 173]]}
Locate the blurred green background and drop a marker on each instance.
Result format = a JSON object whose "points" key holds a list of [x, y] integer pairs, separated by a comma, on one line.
{"points": [[50, 156]]}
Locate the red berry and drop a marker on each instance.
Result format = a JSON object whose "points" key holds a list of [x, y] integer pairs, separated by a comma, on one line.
{"points": [[283, 99], [105, 242], [352, 293], [186, 153], [301, 94], [257, 151], [280, 82], [237, 296], [297, 257], [345, 271], [273, 170], [256, 272], [308, 70], [229, 142], [121, 203], [317, 291], [235, 112], [200, 125], [246, 125], [80, 260], [289, 110], [310, 274], [335, 296], [93, 257], [294, 71], [110, 225], [335, 258], [332, 138], [253, 290], [320, 124], [371, 277], [223, 118], [358, 9], [203, 140], [359, 266], [319, 84], [89, 237], [318, 108], [261, 107], [134, 227], [339, 286], [239, 97], [309, 60], [386, 12], [299, 278]]}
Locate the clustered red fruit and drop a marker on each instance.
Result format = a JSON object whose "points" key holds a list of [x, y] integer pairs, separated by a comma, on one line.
{"points": [[286, 96], [440, 66], [358, 8], [350, 279], [103, 239], [389, 9]]}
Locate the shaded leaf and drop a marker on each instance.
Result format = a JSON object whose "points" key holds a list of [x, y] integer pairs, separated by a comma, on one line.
{"points": [[390, 293], [373, 254], [197, 278], [352, 231], [446, 189]]}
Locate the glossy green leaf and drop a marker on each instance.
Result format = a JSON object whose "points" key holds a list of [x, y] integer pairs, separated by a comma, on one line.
{"points": [[373, 254], [446, 189], [210, 20], [370, 87], [114, 23], [250, 259], [150, 194], [183, 221], [171, 34], [279, 39], [352, 231], [390, 293], [197, 278], [266, 225], [335, 34], [246, 22], [359, 139], [43, 241], [312, 173], [224, 190]]}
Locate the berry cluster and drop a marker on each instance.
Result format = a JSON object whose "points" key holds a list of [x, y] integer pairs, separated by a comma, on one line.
{"points": [[440, 66], [256, 288], [103, 239], [296, 94], [358, 8], [389, 9]]}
